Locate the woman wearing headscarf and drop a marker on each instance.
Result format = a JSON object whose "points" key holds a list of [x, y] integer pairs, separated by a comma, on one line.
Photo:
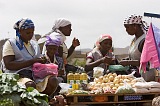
{"points": [[138, 28], [53, 41], [63, 27], [21, 53], [100, 56]]}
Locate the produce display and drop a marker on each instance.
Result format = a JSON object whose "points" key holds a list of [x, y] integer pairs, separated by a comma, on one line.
{"points": [[115, 84], [97, 72], [13, 93], [109, 83]]}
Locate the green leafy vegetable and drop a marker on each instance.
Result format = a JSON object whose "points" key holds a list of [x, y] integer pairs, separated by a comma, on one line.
{"points": [[12, 93], [33, 98]]}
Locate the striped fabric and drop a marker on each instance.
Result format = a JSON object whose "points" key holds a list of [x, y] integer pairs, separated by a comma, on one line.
{"points": [[150, 50]]}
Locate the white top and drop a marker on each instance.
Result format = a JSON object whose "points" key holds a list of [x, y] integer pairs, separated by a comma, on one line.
{"points": [[134, 53], [8, 50]]}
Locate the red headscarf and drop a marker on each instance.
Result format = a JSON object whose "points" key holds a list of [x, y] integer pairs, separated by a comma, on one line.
{"points": [[102, 38]]}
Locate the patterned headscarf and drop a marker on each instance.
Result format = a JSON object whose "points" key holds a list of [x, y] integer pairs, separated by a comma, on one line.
{"points": [[137, 19], [22, 24], [102, 38], [53, 40]]}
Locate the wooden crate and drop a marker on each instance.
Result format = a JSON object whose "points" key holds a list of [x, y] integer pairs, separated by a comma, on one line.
{"points": [[112, 98]]}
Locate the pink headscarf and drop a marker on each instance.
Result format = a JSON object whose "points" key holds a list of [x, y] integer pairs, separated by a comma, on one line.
{"points": [[102, 38]]}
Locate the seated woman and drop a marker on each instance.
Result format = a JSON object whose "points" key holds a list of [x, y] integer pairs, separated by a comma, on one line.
{"points": [[53, 41], [100, 56], [21, 53]]}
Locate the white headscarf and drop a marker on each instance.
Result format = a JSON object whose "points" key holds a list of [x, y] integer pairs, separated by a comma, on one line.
{"points": [[60, 22]]}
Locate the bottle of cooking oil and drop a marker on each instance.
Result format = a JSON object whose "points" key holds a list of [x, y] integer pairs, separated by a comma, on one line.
{"points": [[77, 80], [84, 77], [77, 77], [70, 78]]}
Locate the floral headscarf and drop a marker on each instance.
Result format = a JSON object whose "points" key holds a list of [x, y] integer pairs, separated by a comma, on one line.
{"points": [[137, 19], [22, 24]]}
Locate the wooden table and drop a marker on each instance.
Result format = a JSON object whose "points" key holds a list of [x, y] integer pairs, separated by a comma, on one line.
{"points": [[112, 98]]}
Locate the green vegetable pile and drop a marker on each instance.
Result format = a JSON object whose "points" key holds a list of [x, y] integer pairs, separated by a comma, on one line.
{"points": [[14, 94]]}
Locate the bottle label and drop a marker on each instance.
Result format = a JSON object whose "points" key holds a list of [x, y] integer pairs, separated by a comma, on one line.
{"points": [[85, 81], [78, 81], [71, 82]]}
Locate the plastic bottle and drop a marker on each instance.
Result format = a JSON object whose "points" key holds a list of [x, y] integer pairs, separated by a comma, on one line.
{"points": [[70, 78], [77, 77], [84, 77], [77, 80]]}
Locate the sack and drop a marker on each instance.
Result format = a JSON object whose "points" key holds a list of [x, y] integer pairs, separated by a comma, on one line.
{"points": [[118, 69], [43, 70]]}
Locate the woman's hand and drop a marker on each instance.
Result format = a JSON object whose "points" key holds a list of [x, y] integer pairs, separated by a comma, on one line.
{"points": [[75, 42], [107, 60], [42, 60]]}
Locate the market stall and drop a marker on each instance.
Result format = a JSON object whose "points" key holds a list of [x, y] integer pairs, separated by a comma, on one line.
{"points": [[111, 89], [110, 98]]}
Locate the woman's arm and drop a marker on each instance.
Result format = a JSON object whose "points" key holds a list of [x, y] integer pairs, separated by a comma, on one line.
{"points": [[75, 43], [11, 64], [90, 64], [70, 51]]}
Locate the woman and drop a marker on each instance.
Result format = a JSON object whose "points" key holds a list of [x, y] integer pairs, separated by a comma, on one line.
{"points": [[63, 27], [21, 53], [53, 41], [100, 56], [136, 27]]}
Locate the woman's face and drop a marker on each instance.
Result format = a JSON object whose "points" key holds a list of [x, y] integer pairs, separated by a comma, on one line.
{"points": [[66, 30], [106, 44], [51, 49], [26, 34], [130, 29]]}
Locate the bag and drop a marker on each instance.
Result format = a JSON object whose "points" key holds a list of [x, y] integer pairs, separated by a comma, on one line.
{"points": [[43, 70], [118, 69]]}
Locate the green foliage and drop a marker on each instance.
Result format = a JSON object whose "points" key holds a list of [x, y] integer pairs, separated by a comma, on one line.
{"points": [[31, 97], [9, 90], [8, 84], [12, 93], [10, 100], [79, 62]]}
